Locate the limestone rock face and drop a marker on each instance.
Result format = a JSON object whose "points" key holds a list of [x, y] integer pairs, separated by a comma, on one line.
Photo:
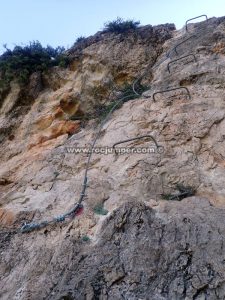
{"points": [[149, 245]]}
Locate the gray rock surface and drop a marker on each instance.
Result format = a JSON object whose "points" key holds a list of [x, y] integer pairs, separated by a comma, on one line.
{"points": [[175, 251]]}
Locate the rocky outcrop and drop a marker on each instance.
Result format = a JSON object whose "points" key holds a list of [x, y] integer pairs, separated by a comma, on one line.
{"points": [[170, 251], [146, 247]]}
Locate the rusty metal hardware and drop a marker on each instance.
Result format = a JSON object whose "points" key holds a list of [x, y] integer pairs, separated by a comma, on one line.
{"points": [[194, 19], [168, 65], [165, 91]]}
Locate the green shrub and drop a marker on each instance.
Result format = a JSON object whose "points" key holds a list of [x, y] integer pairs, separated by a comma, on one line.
{"points": [[127, 91], [121, 26], [99, 209], [19, 63], [86, 238], [102, 110], [80, 39]]}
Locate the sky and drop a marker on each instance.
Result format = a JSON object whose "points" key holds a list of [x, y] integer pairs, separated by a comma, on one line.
{"points": [[61, 22]]}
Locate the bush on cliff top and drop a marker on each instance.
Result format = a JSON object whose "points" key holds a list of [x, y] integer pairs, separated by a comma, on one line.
{"points": [[80, 39], [18, 64], [121, 26]]}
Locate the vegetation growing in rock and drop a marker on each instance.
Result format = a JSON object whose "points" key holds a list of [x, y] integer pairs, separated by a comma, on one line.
{"points": [[86, 238], [182, 192], [128, 92], [80, 39], [99, 209], [121, 26], [125, 94], [18, 64]]}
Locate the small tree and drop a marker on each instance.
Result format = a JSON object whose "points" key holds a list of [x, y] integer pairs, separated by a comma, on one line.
{"points": [[19, 63], [121, 26], [80, 39]]}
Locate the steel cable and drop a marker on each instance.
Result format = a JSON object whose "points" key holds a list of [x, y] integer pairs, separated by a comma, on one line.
{"points": [[28, 227]]}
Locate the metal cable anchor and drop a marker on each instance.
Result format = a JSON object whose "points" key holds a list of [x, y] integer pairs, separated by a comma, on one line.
{"points": [[160, 149], [168, 65], [179, 88]]}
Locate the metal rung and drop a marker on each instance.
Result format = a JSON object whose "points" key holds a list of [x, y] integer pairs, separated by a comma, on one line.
{"points": [[179, 88], [175, 48], [137, 138], [168, 65], [194, 19]]}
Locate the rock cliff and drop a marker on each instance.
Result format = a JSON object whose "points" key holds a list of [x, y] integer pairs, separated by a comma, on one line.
{"points": [[152, 224]]}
